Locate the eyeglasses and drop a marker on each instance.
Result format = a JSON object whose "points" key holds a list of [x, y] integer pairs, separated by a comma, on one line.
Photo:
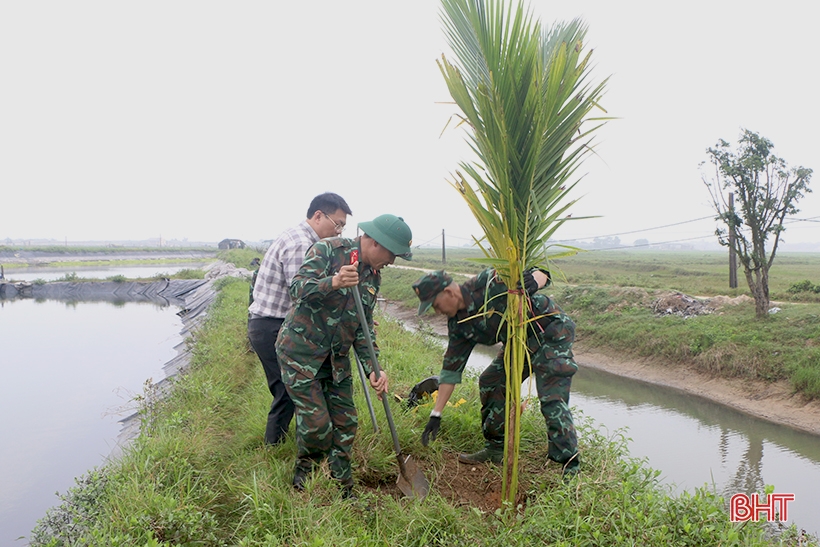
{"points": [[340, 226]]}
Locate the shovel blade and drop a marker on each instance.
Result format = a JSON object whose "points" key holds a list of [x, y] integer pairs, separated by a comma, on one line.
{"points": [[411, 481]]}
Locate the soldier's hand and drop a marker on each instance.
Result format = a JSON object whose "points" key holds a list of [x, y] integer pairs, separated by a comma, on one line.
{"points": [[379, 385], [431, 430], [530, 284], [535, 279], [347, 276]]}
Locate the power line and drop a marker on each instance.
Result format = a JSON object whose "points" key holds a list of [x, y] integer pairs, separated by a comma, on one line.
{"points": [[649, 244], [636, 231], [790, 221]]}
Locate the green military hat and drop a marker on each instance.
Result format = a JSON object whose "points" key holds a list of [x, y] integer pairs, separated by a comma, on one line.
{"points": [[392, 233], [428, 287]]}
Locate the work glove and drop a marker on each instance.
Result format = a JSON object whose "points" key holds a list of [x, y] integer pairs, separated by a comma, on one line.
{"points": [[530, 284], [431, 430]]}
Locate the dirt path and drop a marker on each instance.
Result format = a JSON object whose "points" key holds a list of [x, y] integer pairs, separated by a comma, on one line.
{"points": [[770, 401]]}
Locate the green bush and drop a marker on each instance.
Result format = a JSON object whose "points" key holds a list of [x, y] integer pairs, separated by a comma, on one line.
{"points": [[804, 286]]}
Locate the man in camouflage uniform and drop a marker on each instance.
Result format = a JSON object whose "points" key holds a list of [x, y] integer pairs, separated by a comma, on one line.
{"points": [[318, 334], [269, 301], [474, 309]]}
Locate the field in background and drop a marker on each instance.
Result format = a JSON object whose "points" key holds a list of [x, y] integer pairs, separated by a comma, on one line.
{"points": [[696, 273], [610, 295]]}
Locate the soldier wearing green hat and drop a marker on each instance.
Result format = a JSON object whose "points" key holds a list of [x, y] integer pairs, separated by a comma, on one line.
{"points": [[318, 334], [474, 309]]}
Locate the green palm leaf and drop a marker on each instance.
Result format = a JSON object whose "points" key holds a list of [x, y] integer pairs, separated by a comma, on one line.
{"points": [[524, 95]]}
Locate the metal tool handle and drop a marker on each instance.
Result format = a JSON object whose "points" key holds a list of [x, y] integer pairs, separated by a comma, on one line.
{"points": [[366, 330], [366, 387]]}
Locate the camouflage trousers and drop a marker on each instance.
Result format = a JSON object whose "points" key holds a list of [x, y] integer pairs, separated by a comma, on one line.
{"points": [[553, 379], [326, 419]]}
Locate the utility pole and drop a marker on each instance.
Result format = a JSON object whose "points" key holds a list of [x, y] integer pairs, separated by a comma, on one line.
{"points": [[732, 258], [443, 256]]}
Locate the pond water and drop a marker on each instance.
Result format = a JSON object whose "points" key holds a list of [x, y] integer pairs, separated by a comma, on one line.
{"points": [[70, 372]]}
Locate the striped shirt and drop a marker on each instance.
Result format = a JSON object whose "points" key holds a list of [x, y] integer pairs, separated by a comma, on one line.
{"points": [[271, 296]]}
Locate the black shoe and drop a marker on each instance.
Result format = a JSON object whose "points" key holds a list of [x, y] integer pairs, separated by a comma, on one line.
{"points": [[299, 480]]}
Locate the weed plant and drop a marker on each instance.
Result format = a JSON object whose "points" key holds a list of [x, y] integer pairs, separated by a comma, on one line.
{"points": [[200, 474]]}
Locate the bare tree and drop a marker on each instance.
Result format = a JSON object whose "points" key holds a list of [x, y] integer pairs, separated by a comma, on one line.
{"points": [[766, 192]]}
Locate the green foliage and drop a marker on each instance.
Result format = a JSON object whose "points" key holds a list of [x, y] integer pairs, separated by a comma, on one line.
{"points": [[729, 343], [525, 100], [804, 286], [241, 258], [71, 277], [117, 278], [767, 192], [79, 511]]}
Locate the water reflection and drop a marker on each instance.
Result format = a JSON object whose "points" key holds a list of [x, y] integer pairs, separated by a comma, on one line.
{"points": [[69, 372]]}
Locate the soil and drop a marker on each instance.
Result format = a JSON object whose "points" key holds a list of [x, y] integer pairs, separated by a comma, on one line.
{"points": [[479, 486]]}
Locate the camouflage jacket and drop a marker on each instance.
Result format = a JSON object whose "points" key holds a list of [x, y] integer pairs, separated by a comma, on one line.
{"points": [[324, 321], [554, 331]]}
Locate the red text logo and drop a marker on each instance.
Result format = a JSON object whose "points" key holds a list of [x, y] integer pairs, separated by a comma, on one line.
{"points": [[774, 507]]}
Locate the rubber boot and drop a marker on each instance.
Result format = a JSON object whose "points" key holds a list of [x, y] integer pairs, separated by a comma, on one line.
{"points": [[299, 480], [348, 493], [494, 455]]}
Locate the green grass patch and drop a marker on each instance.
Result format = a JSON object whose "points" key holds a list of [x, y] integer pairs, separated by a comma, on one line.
{"points": [[199, 474], [609, 295]]}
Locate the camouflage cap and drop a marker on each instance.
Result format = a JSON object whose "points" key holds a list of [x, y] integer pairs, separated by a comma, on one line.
{"points": [[428, 287]]}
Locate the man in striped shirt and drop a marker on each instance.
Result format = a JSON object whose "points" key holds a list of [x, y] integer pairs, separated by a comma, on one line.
{"points": [[326, 217]]}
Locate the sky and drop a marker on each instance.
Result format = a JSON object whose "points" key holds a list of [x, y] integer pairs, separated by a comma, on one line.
{"points": [[202, 120]]}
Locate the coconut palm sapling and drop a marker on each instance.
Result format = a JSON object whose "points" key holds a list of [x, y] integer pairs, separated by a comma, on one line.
{"points": [[525, 97]]}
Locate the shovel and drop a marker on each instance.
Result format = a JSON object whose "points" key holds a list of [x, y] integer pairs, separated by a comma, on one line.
{"points": [[411, 481]]}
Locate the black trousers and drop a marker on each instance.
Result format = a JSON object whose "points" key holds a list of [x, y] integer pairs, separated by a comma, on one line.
{"points": [[262, 333]]}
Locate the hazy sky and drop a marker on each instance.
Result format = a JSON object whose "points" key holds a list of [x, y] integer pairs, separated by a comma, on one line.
{"points": [[205, 120]]}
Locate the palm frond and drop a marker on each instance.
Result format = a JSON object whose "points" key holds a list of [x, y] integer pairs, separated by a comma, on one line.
{"points": [[525, 96]]}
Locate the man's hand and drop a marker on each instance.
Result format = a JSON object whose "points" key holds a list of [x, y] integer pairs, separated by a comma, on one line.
{"points": [[530, 284], [535, 279], [379, 385], [347, 276], [431, 430]]}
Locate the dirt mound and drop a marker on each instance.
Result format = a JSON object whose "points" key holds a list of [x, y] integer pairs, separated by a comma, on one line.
{"points": [[679, 304]]}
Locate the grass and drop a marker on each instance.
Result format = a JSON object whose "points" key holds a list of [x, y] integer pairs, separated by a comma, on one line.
{"points": [[608, 294], [199, 473], [704, 273]]}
